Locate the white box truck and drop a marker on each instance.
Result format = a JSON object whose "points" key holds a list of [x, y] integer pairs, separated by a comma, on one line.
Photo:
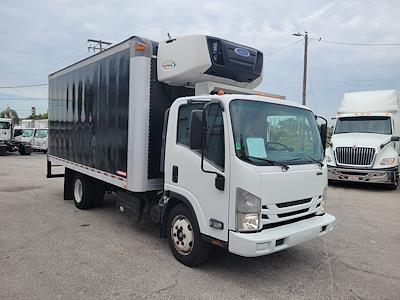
{"points": [[7, 141], [175, 130], [365, 141], [40, 140]]}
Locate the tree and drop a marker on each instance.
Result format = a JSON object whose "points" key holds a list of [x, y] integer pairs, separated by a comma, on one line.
{"points": [[43, 116], [10, 114]]}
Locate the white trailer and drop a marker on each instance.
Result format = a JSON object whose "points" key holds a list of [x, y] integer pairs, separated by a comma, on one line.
{"points": [[365, 142], [28, 123], [41, 124], [175, 129]]}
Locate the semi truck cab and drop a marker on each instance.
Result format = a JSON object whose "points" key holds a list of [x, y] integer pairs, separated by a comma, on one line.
{"points": [[5, 129], [365, 142]]}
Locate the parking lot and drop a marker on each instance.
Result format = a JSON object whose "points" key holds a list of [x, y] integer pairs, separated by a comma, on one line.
{"points": [[51, 250]]}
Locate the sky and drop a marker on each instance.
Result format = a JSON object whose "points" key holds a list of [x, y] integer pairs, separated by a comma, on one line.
{"points": [[40, 37]]}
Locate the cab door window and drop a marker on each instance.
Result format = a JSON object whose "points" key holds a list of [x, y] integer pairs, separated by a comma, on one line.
{"points": [[215, 150]]}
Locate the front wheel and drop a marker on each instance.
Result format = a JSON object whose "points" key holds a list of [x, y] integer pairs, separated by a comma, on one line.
{"points": [[184, 237]]}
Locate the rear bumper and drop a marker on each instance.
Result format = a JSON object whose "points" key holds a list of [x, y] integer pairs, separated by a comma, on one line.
{"points": [[387, 176], [279, 238]]}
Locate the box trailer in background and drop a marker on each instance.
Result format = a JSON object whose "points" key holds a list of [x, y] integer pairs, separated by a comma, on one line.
{"points": [[175, 129], [365, 142], [41, 124], [28, 123]]}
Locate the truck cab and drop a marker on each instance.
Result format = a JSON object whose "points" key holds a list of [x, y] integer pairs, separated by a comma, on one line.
{"points": [[27, 135], [5, 129], [40, 140], [252, 173], [365, 142]]}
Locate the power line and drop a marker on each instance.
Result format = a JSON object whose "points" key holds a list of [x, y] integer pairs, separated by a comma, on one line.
{"points": [[356, 44], [283, 47], [22, 98], [22, 86]]}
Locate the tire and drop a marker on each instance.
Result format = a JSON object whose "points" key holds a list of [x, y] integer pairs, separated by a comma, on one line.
{"points": [[25, 150], [82, 188], [3, 150], [184, 237]]}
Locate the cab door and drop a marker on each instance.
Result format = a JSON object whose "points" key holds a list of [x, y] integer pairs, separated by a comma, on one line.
{"points": [[183, 173]]}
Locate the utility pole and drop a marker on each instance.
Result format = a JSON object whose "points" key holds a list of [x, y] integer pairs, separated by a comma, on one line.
{"points": [[305, 36], [98, 45]]}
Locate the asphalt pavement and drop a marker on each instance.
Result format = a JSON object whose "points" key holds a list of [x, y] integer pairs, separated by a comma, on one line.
{"points": [[51, 250]]}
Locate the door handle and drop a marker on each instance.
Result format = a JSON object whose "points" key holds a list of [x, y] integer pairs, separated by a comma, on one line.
{"points": [[175, 174]]}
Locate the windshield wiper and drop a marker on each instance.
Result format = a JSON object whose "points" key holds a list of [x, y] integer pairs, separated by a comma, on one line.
{"points": [[244, 156], [270, 161], [310, 159]]}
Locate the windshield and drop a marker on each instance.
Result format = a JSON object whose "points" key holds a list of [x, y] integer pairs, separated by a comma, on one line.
{"points": [[4, 125], [368, 124], [41, 133], [275, 132], [27, 132]]}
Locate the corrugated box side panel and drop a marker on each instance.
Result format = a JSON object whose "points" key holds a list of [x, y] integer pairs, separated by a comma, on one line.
{"points": [[88, 113]]}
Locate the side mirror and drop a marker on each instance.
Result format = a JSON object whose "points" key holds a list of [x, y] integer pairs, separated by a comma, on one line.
{"points": [[323, 133], [395, 138], [195, 129], [392, 139]]}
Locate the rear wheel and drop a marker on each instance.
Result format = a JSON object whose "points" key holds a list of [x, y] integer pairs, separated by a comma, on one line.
{"points": [[83, 191], [25, 150], [3, 150], [184, 237]]}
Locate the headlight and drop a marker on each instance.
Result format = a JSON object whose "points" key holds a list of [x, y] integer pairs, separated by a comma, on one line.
{"points": [[248, 211], [387, 161]]}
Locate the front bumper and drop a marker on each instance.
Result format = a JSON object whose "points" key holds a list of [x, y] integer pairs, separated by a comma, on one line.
{"points": [[275, 239], [387, 176]]}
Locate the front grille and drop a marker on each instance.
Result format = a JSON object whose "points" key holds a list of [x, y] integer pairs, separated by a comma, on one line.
{"points": [[292, 203], [273, 225], [359, 156], [292, 213]]}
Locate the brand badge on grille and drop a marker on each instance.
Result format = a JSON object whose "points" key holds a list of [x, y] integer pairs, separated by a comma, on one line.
{"points": [[354, 147]]}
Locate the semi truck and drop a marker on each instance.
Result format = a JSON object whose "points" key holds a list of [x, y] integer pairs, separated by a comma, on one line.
{"points": [[177, 131], [7, 141], [365, 142]]}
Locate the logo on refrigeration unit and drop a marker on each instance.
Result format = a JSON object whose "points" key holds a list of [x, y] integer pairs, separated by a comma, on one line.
{"points": [[242, 52], [168, 65]]}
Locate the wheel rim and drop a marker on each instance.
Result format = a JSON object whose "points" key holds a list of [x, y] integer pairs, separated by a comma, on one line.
{"points": [[182, 235], [78, 190]]}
